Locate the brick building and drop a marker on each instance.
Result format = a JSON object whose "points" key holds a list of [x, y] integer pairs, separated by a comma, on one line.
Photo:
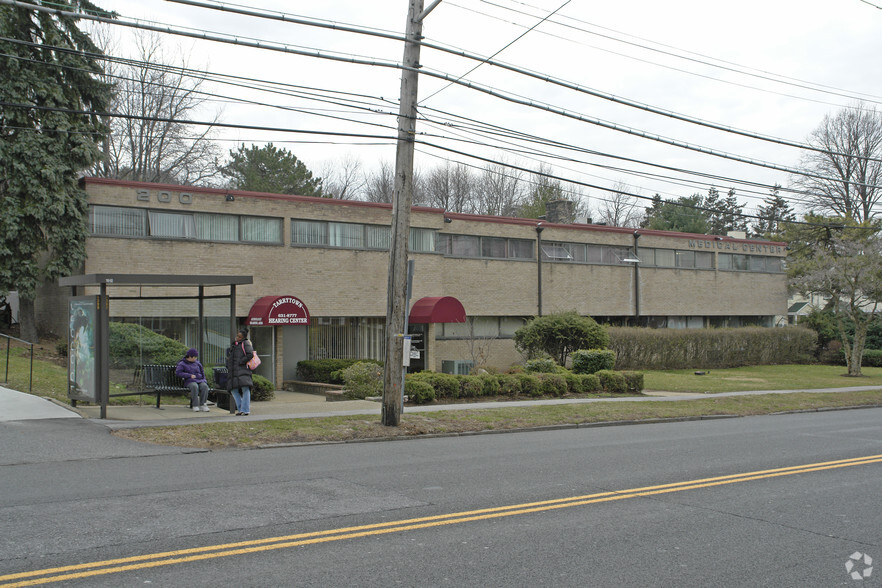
{"points": [[325, 262]]}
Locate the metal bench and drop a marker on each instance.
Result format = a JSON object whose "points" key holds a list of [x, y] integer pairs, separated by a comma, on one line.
{"points": [[159, 379]]}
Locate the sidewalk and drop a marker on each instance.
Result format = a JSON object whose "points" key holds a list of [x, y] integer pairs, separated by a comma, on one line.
{"points": [[291, 405]]}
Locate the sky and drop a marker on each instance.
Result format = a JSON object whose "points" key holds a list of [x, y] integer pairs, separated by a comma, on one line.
{"points": [[772, 68]]}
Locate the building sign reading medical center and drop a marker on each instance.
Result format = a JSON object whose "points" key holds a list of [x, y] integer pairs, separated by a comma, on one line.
{"points": [[281, 310], [733, 246]]}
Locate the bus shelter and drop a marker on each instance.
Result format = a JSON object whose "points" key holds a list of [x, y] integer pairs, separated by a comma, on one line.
{"points": [[93, 296]]}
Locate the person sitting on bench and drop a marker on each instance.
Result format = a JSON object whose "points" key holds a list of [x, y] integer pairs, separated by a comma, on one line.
{"points": [[190, 370]]}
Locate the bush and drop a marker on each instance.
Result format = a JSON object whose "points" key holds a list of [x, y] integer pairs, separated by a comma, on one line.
{"points": [[544, 365], [648, 349], [492, 387], [446, 386], [591, 361], [132, 345], [530, 385], [61, 347], [262, 389], [634, 382], [558, 335], [590, 383], [419, 392], [612, 382], [363, 379], [471, 387], [328, 371], [509, 385], [553, 385]]}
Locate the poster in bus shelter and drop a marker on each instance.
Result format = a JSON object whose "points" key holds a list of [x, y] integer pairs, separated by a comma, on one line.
{"points": [[82, 358]]}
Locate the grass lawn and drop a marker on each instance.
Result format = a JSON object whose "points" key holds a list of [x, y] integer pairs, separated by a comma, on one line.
{"points": [[50, 380]]}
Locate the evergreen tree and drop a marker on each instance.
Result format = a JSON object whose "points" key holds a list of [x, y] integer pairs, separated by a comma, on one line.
{"points": [[772, 216], [268, 169], [684, 214], [51, 94]]}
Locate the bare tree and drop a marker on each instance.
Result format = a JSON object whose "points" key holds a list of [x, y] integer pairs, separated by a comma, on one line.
{"points": [[618, 208], [380, 184], [343, 178], [499, 191], [146, 143], [451, 187], [852, 147]]}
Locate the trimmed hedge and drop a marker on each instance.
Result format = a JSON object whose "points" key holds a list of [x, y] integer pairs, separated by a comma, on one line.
{"points": [[651, 349], [323, 370], [590, 361], [533, 385]]}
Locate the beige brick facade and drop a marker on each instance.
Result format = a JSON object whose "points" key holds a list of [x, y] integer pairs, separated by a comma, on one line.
{"points": [[337, 282]]}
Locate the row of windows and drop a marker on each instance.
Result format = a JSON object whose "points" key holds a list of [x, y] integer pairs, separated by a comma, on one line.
{"points": [[651, 257], [356, 236], [493, 247], [141, 222]]}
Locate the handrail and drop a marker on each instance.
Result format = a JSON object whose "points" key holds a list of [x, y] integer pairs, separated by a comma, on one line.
{"points": [[9, 339]]}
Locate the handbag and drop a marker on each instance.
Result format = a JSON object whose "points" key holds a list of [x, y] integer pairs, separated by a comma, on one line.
{"points": [[254, 361]]}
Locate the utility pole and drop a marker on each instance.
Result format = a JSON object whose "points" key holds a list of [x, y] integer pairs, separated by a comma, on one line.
{"points": [[402, 200]]}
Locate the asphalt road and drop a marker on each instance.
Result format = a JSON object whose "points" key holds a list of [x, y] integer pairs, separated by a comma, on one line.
{"points": [[762, 501]]}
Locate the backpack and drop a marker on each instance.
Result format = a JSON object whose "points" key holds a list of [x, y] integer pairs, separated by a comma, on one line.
{"points": [[254, 361]]}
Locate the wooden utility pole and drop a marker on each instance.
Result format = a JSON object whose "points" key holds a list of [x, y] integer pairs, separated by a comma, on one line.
{"points": [[402, 200]]}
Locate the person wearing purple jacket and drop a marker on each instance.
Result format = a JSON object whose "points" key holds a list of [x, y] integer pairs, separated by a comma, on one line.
{"points": [[190, 370]]}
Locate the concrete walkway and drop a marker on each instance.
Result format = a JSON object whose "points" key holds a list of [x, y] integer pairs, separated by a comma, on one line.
{"points": [[288, 405]]}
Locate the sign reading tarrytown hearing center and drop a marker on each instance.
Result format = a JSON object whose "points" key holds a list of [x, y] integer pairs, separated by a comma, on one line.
{"points": [[278, 310], [729, 245]]}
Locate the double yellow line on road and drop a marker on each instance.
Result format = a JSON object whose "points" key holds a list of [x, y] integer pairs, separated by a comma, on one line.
{"points": [[152, 560]]}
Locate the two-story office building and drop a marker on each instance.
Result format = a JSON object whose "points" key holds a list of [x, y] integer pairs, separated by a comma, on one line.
{"points": [[320, 271]]}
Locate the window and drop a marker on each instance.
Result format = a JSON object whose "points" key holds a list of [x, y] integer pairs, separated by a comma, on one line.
{"points": [[493, 247], [309, 232], [262, 229], [704, 260], [347, 235], [217, 227], [117, 221], [378, 237], [465, 246], [665, 258], [521, 249], [421, 240], [172, 224], [646, 256], [685, 258]]}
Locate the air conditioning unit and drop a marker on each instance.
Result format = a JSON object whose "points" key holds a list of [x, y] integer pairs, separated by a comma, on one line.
{"points": [[457, 367]]}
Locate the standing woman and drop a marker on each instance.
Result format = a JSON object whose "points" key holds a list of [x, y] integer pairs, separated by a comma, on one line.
{"points": [[239, 381]]}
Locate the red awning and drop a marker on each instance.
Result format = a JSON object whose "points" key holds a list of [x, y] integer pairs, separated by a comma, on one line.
{"points": [[437, 309], [270, 311]]}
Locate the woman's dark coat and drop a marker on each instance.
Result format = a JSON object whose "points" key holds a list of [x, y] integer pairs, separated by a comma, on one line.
{"points": [[238, 356]]}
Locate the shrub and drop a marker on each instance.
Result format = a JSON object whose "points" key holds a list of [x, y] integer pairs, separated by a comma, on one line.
{"points": [[131, 345], [61, 347], [553, 385], [590, 361], [328, 371], [590, 383], [262, 389], [471, 386], [544, 365], [509, 385], [363, 379], [491, 384], [529, 384], [419, 392], [558, 335], [613, 382], [445, 385], [574, 382], [634, 382]]}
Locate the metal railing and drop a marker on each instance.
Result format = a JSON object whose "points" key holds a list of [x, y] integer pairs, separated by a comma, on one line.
{"points": [[9, 340]]}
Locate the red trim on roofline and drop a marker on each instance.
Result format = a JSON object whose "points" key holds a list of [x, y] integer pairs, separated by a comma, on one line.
{"points": [[508, 220]]}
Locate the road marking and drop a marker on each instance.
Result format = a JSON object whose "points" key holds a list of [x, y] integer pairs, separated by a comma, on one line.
{"points": [[140, 562]]}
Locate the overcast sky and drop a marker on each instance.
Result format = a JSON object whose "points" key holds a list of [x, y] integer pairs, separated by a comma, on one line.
{"points": [[771, 67]]}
